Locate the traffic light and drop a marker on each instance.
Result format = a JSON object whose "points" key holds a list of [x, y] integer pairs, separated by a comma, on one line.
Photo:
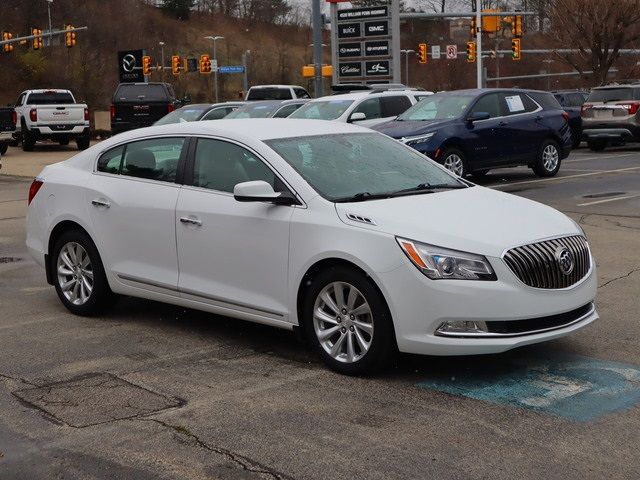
{"points": [[7, 47], [471, 52], [516, 26], [146, 64], [69, 36], [37, 41], [422, 53], [175, 64], [205, 64], [516, 53], [473, 28]]}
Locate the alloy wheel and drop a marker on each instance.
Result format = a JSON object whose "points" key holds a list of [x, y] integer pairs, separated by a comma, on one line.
{"points": [[550, 158], [343, 322], [454, 163], [75, 273]]}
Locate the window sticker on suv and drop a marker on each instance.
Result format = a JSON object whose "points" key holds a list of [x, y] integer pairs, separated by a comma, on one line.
{"points": [[514, 103]]}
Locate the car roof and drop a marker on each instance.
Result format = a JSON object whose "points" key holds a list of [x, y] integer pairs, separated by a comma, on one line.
{"points": [[212, 105], [366, 94], [276, 86], [275, 102], [49, 90], [252, 128]]}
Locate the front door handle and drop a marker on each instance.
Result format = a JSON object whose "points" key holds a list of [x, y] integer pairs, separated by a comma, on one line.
{"points": [[97, 202], [191, 221]]}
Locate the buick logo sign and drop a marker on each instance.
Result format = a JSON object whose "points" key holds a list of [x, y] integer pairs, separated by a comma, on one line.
{"points": [[565, 260], [128, 63]]}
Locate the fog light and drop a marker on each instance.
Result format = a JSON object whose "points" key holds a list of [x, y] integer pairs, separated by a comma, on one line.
{"points": [[462, 326]]}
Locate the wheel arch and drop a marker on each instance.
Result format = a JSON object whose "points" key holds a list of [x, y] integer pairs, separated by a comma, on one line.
{"points": [[327, 263], [60, 228]]}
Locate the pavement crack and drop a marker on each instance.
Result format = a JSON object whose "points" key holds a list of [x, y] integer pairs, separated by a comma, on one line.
{"points": [[16, 379], [243, 462], [620, 277]]}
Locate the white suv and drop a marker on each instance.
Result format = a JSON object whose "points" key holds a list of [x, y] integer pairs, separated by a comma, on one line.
{"points": [[276, 92], [366, 108]]}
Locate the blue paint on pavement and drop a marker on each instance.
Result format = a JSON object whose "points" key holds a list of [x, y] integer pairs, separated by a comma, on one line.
{"points": [[574, 387]]}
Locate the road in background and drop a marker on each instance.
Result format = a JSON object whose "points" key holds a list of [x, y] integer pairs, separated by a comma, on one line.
{"points": [[152, 391]]}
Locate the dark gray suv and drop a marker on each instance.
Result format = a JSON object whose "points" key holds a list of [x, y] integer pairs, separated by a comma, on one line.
{"points": [[611, 116]]}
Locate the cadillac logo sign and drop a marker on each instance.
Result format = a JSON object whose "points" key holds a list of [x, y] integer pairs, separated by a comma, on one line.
{"points": [[351, 69], [565, 260]]}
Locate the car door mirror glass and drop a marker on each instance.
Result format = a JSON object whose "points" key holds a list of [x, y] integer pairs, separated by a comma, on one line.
{"points": [[261, 191], [476, 116], [357, 117]]}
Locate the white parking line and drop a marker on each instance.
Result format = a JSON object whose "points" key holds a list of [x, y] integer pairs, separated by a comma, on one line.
{"points": [[582, 159], [607, 200], [599, 172]]}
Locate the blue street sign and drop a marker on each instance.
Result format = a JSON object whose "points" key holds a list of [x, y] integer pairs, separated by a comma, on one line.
{"points": [[231, 69]]}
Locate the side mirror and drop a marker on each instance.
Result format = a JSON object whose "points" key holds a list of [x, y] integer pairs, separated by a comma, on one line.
{"points": [[261, 191], [357, 117], [476, 116]]}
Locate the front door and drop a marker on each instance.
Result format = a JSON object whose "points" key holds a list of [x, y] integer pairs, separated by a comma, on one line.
{"points": [[232, 255], [483, 141]]}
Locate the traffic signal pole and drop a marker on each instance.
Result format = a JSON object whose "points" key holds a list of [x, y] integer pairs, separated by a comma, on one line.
{"points": [[317, 48], [46, 34], [479, 44]]}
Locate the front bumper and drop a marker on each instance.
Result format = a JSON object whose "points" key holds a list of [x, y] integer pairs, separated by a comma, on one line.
{"points": [[419, 306]]}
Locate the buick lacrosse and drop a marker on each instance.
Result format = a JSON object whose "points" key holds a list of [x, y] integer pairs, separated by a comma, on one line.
{"points": [[359, 241]]}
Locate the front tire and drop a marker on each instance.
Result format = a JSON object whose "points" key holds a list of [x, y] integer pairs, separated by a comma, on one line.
{"points": [[83, 142], [548, 162], [78, 274], [347, 321], [453, 159]]}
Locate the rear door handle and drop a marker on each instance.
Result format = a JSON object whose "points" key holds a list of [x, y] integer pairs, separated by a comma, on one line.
{"points": [[191, 221], [100, 203]]}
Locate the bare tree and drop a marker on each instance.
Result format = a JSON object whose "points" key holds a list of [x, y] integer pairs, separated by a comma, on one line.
{"points": [[598, 29]]}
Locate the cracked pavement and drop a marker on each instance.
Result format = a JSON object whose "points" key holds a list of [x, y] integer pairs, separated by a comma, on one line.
{"points": [[151, 391]]}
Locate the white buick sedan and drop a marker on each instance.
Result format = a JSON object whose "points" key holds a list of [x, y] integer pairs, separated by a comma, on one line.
{"points": [[362, 243]]}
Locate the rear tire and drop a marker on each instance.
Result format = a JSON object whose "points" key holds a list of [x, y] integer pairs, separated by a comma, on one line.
{"points": [[548, 162], [83, 143], [78, 274], [453, 160], [3, 148], [346, 320], [63, 142], [597, 145], [28, 141]]}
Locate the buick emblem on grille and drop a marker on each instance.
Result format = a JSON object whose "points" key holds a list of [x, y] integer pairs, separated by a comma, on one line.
{"points": [[565, 260]]}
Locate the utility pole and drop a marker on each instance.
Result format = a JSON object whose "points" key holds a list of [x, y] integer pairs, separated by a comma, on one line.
{"points": [[317, 47], [406, 64], [215, 38], [245, 78], [162, 59], [479, 44], [50, 40]]}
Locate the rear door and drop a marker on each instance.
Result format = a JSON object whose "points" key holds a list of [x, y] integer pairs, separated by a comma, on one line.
{"points": [[522, 127], [232, 255], [132, 203]]}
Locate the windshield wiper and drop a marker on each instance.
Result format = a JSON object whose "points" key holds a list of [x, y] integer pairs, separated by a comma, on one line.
{"points": [[361, 197], [427, 188]]}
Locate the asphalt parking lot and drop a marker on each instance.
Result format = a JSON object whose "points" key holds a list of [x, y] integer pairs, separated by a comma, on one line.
{"points": [[152, 391]]}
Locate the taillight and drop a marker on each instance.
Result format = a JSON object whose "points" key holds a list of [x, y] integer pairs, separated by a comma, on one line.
{"points": [[113, 112], [170, 108], [86, 114], [14, 117], [33, 189], [565, 115], [33, 115], [632, 107]]}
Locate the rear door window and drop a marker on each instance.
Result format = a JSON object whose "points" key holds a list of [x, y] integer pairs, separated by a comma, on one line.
{"points": [[515, 103], [110, 161], [301, 93], [155, 159], [393, 106]]}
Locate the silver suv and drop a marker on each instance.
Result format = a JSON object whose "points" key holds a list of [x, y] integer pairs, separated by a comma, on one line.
{"points": [[611, 116]]}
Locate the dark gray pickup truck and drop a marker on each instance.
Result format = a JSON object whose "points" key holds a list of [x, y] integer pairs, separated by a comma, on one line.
{"points": [[8, 119]]}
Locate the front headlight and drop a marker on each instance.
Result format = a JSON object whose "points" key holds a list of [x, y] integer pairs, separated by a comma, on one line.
{"points": [[418, 139], [440, 263]]}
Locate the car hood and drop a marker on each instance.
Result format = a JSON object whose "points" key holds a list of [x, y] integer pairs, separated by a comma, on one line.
{"points": [[477, 219], [410, 128]]}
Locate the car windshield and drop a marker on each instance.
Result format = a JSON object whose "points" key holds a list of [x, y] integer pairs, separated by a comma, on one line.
{"points": [[184, 114], [438, 107], [324, 110], [259, 110], [361, 166], [612, 94]]}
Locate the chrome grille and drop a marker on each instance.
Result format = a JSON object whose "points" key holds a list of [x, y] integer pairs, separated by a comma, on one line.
{"points": [[536, 264]]}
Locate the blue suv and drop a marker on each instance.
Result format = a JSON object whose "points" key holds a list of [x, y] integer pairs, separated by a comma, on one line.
{"points": [[474, 131]]}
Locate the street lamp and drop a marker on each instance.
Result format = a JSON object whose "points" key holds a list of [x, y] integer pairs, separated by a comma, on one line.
{"points": [[162, 58], [215, 38], [245, 78], [406, 63]]}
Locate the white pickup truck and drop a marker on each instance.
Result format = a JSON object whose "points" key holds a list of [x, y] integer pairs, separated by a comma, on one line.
{"points": [[52, 114]]}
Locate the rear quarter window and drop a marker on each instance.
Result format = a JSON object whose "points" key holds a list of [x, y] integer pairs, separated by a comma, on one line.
{"points": [[545, 100]]}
